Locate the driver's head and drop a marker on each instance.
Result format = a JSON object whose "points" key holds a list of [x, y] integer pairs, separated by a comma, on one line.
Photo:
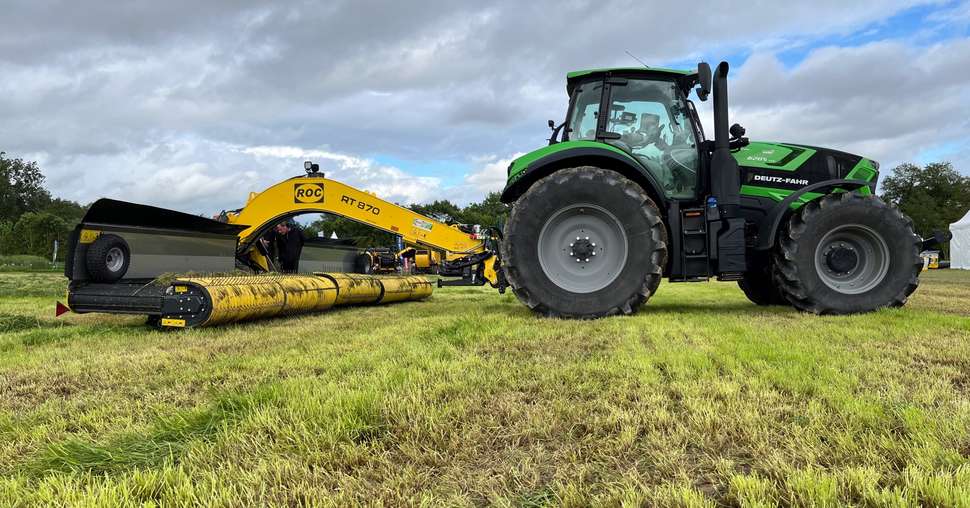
{"points": [[282, 228]]}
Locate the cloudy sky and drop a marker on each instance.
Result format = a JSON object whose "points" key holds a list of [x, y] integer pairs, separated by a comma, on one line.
{"points": [[192, 104]]}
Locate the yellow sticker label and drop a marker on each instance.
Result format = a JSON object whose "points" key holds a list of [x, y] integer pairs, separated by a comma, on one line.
{"points": [[181, 289], [308, 193], [89, 235], [179, 323]]}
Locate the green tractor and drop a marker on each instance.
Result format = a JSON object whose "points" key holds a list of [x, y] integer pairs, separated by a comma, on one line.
{"points": [[630, 190]]}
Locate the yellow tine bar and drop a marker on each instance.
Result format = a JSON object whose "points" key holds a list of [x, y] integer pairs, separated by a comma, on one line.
{"points": [[399, 289], [354, 288]]}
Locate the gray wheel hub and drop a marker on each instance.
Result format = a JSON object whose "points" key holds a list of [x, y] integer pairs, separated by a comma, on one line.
{"points": [[582, 248], [114, 259], [852, 259]]}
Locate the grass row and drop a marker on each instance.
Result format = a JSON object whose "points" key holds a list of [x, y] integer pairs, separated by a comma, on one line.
{"points": [[700, 399], [27, 263]]}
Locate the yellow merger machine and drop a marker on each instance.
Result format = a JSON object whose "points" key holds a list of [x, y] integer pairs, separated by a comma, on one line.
{"points": [[123, 256]]}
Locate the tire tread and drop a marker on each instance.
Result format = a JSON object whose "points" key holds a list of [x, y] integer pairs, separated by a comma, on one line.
{"points": [[650, 212]]}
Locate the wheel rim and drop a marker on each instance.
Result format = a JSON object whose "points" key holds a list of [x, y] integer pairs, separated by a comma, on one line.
{"points": [[852, 259], [115, 259], [582, 248]]}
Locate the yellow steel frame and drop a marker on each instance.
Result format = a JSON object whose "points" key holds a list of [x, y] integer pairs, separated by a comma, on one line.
{"points": [[316, 194]]}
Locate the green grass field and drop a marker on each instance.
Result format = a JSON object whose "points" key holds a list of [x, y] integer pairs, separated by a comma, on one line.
{"points": [[701, 399]]}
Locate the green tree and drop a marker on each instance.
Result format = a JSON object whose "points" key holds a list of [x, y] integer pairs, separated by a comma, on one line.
{"points": [[35, 232], [68, 210], [346, 229], [442, 210], [6, 238], [21, 187], [934, 196], [490, 212]]}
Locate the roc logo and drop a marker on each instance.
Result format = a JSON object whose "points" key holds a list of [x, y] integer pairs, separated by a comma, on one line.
{"points": [[308, 193]]}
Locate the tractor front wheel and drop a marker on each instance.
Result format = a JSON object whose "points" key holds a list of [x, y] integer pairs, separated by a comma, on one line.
{"points": [[584, 242], [760, 287], [846, 253]]}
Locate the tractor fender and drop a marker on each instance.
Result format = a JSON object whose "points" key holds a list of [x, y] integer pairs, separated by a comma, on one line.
{"points": [[585, 156], [768, 230]]}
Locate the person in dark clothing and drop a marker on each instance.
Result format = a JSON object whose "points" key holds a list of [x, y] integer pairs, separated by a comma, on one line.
{"points": [[288, 242]]}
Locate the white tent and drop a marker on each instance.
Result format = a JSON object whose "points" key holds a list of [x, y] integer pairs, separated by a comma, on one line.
{"points": [[960, 244]]}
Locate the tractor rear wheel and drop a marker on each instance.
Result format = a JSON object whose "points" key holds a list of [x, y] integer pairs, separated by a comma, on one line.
{"points": [[760, 287], [584, 242], [846, 253]]}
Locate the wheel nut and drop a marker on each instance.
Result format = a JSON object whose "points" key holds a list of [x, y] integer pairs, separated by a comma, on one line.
{"points": [[594, 253], [587, 260], [577, 260]]}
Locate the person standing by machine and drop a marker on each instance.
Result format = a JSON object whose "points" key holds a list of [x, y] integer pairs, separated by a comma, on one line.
{"points": [[288, 241]]}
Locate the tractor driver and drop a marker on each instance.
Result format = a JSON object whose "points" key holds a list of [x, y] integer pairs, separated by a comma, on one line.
{"points": [[288, 240]]}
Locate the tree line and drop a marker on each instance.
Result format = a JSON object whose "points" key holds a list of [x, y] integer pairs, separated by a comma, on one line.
{"points": [[934, 196], [30, 218]]}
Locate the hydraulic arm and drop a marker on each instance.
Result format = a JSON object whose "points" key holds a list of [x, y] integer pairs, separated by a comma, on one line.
{"points": [[314, 193]]}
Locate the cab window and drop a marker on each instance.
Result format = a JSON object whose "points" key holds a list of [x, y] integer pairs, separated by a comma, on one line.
{"points": [[653, 123], [585, 111]]}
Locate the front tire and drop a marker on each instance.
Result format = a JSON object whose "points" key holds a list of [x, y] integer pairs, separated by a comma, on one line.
{"points": [[845, 254], [584, 243], [760, 287]]}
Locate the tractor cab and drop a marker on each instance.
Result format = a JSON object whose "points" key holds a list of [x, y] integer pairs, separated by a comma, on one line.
{"points": [[645, 113]]}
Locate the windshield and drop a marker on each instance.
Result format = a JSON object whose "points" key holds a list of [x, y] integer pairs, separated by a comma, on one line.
{"points": [[585, 111], [653, 122]]}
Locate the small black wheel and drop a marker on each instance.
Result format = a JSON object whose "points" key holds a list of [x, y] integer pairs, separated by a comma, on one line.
{"points": [[107, 258], [759, 286], [584, 242], [846, 253]]}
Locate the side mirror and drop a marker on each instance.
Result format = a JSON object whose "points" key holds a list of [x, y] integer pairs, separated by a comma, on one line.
{"points": [[703, 80], [552, 125], [736, 131]]}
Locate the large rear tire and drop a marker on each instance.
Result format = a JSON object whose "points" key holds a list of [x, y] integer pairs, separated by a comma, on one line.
{"points": [[584, 243], [846, 253]]}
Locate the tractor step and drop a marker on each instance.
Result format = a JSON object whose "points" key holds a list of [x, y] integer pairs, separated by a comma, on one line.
{"points": [[690, 257], [694, 256]]}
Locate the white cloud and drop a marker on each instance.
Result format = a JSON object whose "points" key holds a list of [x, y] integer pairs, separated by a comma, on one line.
{"points": [[492, 175], [190, 105], [885, 100], [388, 182]]}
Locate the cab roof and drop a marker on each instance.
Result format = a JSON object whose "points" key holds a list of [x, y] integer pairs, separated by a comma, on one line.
{"points": [[685, 78]]}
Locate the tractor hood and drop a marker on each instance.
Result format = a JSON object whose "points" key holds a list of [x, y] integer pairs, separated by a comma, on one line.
{"points": [[775, 169], [792, 157]]}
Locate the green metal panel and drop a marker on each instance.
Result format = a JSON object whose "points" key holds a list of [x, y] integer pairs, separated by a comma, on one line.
{"points": [[777, 156], [778, 194], [864, 170], [518, 167]]}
